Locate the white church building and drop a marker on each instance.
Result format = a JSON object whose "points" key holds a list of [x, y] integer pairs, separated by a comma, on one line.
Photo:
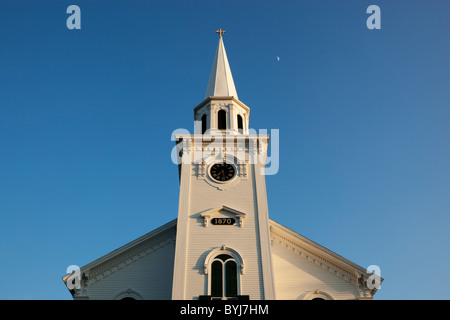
{"points": [[222, 245]]}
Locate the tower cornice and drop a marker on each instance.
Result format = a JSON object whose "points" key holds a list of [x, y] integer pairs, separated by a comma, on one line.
{"points": [[222, 98]]}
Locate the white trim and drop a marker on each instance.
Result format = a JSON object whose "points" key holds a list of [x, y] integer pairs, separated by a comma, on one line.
{"points": [[262, 213], [180, 261], [318, 254], [224, 250]]}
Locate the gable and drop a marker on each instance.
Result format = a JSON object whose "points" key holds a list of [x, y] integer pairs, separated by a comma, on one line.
{"points": [[149, 257], [148, 275], [302, 266]]}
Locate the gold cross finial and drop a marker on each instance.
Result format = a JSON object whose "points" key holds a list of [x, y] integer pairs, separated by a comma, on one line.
{"points": [[220, 32]]}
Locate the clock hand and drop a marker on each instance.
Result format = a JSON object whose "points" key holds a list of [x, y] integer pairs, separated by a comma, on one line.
{"points": [[223, 175]]}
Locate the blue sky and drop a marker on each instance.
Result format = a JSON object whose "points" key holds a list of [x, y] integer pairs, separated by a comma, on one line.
{"points": [[86, 118]]}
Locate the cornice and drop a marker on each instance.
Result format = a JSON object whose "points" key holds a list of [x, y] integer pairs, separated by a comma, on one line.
{"points": [[130, 252], [323, 257], [224, 98], [313, 255], [128, 257]]}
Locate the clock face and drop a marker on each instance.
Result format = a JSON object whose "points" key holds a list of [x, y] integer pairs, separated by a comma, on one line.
{"points": [[222, 171]]}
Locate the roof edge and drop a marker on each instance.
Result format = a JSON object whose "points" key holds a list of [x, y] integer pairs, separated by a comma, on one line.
{"points": [[315, 245], [109, 256]]}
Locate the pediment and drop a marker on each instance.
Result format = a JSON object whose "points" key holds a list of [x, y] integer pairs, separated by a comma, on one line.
{"points": [[321, 256], [123, 256], [222, 211]]}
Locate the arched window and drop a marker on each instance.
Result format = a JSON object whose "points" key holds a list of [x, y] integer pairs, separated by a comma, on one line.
{"points": [[240, 124], [222, 120], [203, 123], [224, 267], [317, 295], [128, 294], [224, 277]]}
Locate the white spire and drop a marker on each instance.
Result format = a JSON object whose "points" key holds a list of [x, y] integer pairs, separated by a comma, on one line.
{"points": [[221, 81]]}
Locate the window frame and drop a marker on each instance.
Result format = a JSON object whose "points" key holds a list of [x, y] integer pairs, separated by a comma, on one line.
{"points": [[214, 256]]}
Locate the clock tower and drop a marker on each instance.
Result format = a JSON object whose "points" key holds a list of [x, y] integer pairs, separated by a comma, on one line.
{"points": [[223, 248]]}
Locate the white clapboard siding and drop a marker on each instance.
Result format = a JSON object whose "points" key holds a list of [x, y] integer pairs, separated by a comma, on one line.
{"points": [[296, 276], [302, 267], [145, 269]]}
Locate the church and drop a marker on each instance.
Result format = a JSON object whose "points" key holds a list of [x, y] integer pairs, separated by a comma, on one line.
{"points": [[222, 245]]}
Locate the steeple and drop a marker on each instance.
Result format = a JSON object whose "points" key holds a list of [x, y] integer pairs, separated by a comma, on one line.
{"points": [[221, 82], [221, 111]]}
